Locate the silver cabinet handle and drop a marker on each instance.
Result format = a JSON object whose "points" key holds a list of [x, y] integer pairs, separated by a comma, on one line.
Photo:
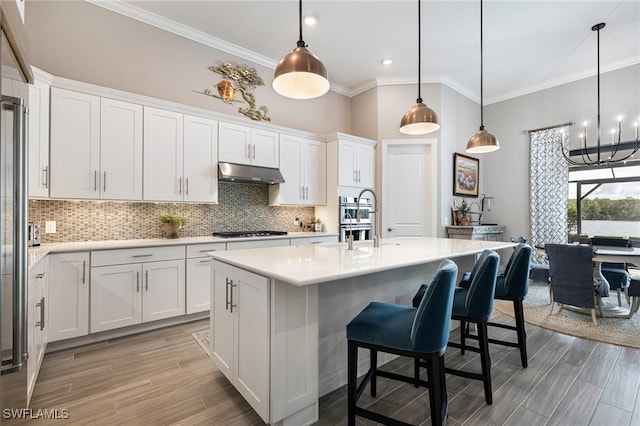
{"points": [[84, 271], [204, 251], [254, 151], [226, 293], [359, 176], [179, 185], [205, 261], [306, 197], [231, 298], [186, 186], [104, 182], [355, 175], [45, 176], [40, 305], [302, 192], [137, 281], [40, 276], [249, 150], [95, 180], [146, 280], [142, 255]]}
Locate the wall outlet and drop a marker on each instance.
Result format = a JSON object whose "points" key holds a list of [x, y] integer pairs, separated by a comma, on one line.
{"points": [[296, 221], [50, 227]]}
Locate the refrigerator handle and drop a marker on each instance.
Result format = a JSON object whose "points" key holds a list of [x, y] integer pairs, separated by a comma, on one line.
{"points": [[19, 320]]}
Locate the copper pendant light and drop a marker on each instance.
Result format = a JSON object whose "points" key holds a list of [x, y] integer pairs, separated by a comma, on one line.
{"points": [[301, 74], [482, 141], [420, 119]]}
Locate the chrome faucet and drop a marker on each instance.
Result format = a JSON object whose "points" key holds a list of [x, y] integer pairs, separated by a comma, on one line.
{"points": [[350, 236], [376, 237]]}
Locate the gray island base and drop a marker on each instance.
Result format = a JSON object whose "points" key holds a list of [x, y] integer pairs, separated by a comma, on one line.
{"points": [[279, 314]]}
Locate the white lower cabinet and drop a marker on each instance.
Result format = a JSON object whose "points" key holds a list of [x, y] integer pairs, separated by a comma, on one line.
{"points": [[240, 312], [37, 322], [199, 276], [125, 290], [68, 295]]}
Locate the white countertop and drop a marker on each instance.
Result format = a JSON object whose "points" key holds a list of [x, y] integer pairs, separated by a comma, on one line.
{"points": [[35, 254], [317, 263]]}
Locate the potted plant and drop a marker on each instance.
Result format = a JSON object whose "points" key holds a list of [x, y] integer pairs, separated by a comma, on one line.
{"points": [[172, 223], [463, 213]]}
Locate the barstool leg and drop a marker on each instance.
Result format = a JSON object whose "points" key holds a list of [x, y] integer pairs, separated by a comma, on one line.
{"points": [[521, 331], [373, 357], [352, 377], [463, 332], [485, 360], [438, 403]]}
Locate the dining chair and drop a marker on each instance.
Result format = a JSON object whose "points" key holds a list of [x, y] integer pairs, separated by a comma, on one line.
{"points": [[615, 273], [571, 277], [537, 271], [420, 333]]}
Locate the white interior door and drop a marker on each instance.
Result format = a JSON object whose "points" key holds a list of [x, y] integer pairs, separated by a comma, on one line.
{"points": [[409, 176]]}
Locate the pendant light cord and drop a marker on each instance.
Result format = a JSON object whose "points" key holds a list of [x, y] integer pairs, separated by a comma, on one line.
{"points": [[419, 100], [481, 76], [301, 42]]}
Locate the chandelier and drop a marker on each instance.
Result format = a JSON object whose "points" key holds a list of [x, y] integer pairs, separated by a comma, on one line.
{"points": [[602, 153]]}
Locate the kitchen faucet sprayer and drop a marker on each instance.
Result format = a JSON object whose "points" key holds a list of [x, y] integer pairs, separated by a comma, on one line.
{"points": [[376, 236]]}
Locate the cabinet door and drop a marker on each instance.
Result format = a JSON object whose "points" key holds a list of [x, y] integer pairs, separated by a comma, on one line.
{"points": [[200, 160], [265, 148], [222, 319], [38, 140], [164, 290], [198, 285], [75, 144], [291, 191], [233, 143], [116, 296], [120, 150], [68, 299], [315, 173], [163, 151], [251, 369], [36, 323], [346, 163], [365, 165]]}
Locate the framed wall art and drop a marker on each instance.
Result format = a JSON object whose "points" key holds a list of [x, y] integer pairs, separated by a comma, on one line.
{"points": [[466, 173]]}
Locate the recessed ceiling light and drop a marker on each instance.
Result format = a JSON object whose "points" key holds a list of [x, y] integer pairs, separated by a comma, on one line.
{"points": [[387, 61], [310, 20]]}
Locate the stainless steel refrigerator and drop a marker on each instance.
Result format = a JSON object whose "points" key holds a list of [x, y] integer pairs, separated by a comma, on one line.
{"points": [[14, 89]]}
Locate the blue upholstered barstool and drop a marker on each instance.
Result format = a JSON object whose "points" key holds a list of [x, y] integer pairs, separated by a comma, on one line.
{"points": [[537, 271], [513, 285], [473, 303], [419, 333]]}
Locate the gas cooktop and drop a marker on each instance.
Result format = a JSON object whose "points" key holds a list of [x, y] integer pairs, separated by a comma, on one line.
{"points": [[246, 234]]}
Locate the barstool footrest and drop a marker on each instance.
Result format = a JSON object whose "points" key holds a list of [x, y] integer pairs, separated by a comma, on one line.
{"points": [[507, 326], [466, 374], [379, 418]]}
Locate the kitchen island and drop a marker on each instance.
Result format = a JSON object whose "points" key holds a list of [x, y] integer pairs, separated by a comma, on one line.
{"points": [[279, 314]]}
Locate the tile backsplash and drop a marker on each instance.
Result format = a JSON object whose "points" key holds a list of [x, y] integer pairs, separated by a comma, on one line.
{"points": [[241, 207]]}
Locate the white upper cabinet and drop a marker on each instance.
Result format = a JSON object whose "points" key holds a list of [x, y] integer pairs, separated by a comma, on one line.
{"points": [[163, 155], [75, 144], [180, 161], [303, 166], [200, 160], [96, 147], [39, 140], [355, 164], [244, 145], [120, 150]]}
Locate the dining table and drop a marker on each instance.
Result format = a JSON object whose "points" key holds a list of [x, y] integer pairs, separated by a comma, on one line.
{"points": [[612, 254]]}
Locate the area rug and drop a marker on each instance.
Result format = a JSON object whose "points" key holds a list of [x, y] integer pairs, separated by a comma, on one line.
{"points": [[203, 338], [619, 331]]}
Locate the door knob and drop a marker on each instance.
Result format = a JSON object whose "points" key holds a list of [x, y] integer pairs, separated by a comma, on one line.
{"points": [[390, 229]]}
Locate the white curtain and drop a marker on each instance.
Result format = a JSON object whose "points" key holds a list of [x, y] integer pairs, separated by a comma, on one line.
{"points": [[549, 187]]}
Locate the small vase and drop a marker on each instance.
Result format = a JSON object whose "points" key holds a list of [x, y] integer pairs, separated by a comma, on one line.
{"points": [[171, 230]]}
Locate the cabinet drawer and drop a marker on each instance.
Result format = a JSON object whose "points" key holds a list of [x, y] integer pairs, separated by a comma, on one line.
{"points": [[200, 250], [136, 255]]}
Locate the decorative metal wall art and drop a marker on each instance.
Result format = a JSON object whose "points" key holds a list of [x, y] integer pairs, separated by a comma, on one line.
{"points": [[238, 78]]}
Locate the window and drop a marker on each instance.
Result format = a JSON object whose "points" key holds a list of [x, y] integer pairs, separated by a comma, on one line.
{"points": [[604, 201]]}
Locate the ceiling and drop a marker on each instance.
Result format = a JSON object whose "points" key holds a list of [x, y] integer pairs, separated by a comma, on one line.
{"points": [[528, 45]]}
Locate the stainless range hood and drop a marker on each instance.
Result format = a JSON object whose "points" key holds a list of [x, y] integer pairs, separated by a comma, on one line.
{"points": [[229, 172]]}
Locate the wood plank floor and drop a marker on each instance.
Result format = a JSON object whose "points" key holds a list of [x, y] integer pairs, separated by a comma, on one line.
{"points": [[163, 377]]}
